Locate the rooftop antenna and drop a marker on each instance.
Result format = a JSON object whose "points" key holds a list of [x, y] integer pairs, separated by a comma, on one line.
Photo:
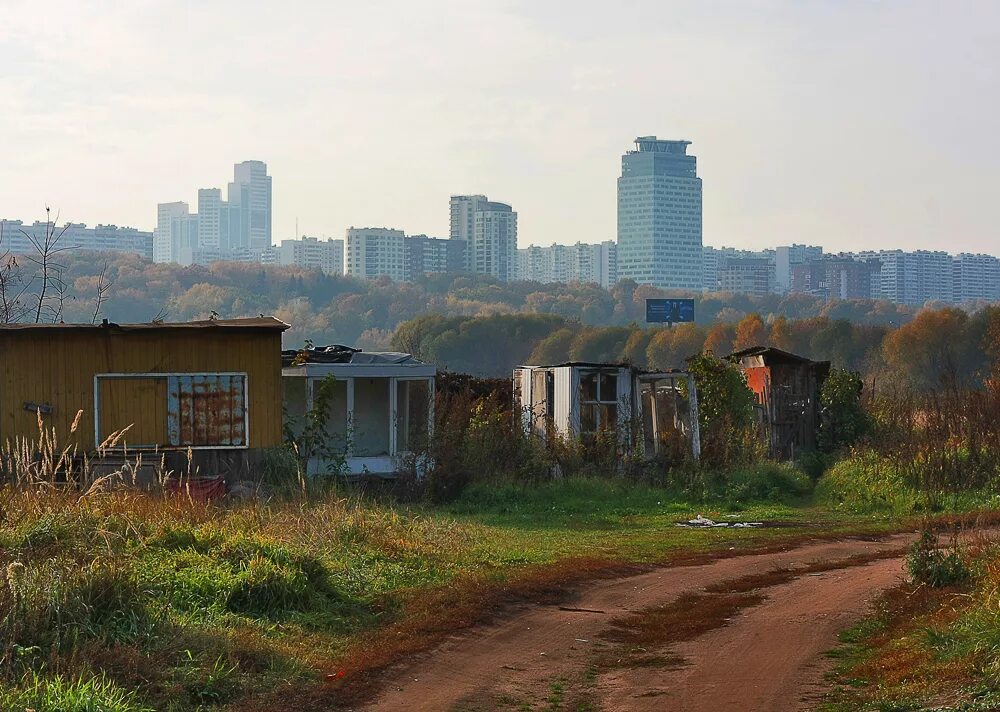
{"points": [[296, 227]]}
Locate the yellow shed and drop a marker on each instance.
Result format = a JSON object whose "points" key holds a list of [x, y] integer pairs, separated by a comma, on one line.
{"points": [[205, 385]]}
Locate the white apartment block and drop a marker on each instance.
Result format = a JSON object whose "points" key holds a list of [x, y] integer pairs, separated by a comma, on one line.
{"points": [[17, 238], [374, 252], [490, 231], [596, 263], [494, 243], [912, 278], [975, 277], [308, 253]]}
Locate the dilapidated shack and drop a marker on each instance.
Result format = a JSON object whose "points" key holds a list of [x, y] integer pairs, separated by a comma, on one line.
{"points": [[380, 406], [787, 389], [649, 411]]}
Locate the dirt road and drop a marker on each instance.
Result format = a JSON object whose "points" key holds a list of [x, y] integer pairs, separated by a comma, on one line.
{"points": [[650, 642]]}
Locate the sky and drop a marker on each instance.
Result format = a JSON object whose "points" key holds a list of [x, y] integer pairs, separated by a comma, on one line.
{"points": [[853, 124]]}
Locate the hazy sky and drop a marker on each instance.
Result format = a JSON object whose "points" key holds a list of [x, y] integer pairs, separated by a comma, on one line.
{"points": [[845, 123]]}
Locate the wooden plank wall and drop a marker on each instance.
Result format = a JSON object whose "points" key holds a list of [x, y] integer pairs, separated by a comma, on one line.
{"points": [[57, 367]]}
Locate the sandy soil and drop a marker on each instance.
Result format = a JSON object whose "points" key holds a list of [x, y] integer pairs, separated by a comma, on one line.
{"points": [[767, 657]]}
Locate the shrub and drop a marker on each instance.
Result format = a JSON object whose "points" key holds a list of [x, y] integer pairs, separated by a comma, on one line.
{"points": [[928, 564], [767, 482], [814, 463], [866, 482], [263, 587]]}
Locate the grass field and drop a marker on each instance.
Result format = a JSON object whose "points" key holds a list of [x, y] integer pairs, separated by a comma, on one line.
{"points": [[148, 602]]}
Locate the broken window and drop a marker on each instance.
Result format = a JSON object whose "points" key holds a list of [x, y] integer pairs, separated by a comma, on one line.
{"points": [[598, 401], [412, 415], [542, 398]]}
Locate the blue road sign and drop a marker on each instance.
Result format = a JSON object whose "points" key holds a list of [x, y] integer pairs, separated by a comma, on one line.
{"points": [[670, 311]]}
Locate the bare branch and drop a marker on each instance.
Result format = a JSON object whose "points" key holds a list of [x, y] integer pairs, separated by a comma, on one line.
{"points": [[103, 287]]}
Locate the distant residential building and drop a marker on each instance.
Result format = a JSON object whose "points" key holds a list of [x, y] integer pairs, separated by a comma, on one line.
{"points": [[785, 259], [494, 242], [912, 278], [490, 230], [222, 228], [374, 252], [660, 216], [462, 225], [433, 255], [308, 253], [175, 238], [582, 262], [975, 277], [836, 277], [747, 275], [17, 237], [714, 258], [597, 263]]}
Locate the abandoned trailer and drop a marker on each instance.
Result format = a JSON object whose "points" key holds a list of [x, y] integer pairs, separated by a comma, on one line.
{"points": [[651, 412], [211, 387], [380, 406], [787, 389]]}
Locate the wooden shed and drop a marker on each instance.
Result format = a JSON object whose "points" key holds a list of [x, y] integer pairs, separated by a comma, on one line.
{"points": [[787, 389], [208, 386]]}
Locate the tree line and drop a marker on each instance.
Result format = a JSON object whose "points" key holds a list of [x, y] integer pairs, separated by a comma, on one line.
{"points": [[937, 346], [475, 324]]}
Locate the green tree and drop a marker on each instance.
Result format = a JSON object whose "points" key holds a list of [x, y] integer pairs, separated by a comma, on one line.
{"points": [[844, 420]]}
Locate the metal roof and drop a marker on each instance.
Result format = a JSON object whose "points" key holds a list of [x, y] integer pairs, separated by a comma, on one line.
{"points": [[254, 323], [339, 354]]}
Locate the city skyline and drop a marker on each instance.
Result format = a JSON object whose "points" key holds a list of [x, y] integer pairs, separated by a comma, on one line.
{"points": [[814, 149]]}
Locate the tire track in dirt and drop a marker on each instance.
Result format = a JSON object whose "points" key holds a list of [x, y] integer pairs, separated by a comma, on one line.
{"points": [[536, 652]]}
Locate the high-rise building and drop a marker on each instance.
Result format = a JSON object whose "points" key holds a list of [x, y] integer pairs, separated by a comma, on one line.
{"points": [[975, 277], [374, 252], [309, 253], [494, 241], [251, 190], [209, 218], [659, 215], [463, 216], [224, 229], [490, 230]]}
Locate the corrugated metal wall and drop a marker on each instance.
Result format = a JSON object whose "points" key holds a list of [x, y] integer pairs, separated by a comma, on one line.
{"points": [[565, 418], [57, 367]]}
